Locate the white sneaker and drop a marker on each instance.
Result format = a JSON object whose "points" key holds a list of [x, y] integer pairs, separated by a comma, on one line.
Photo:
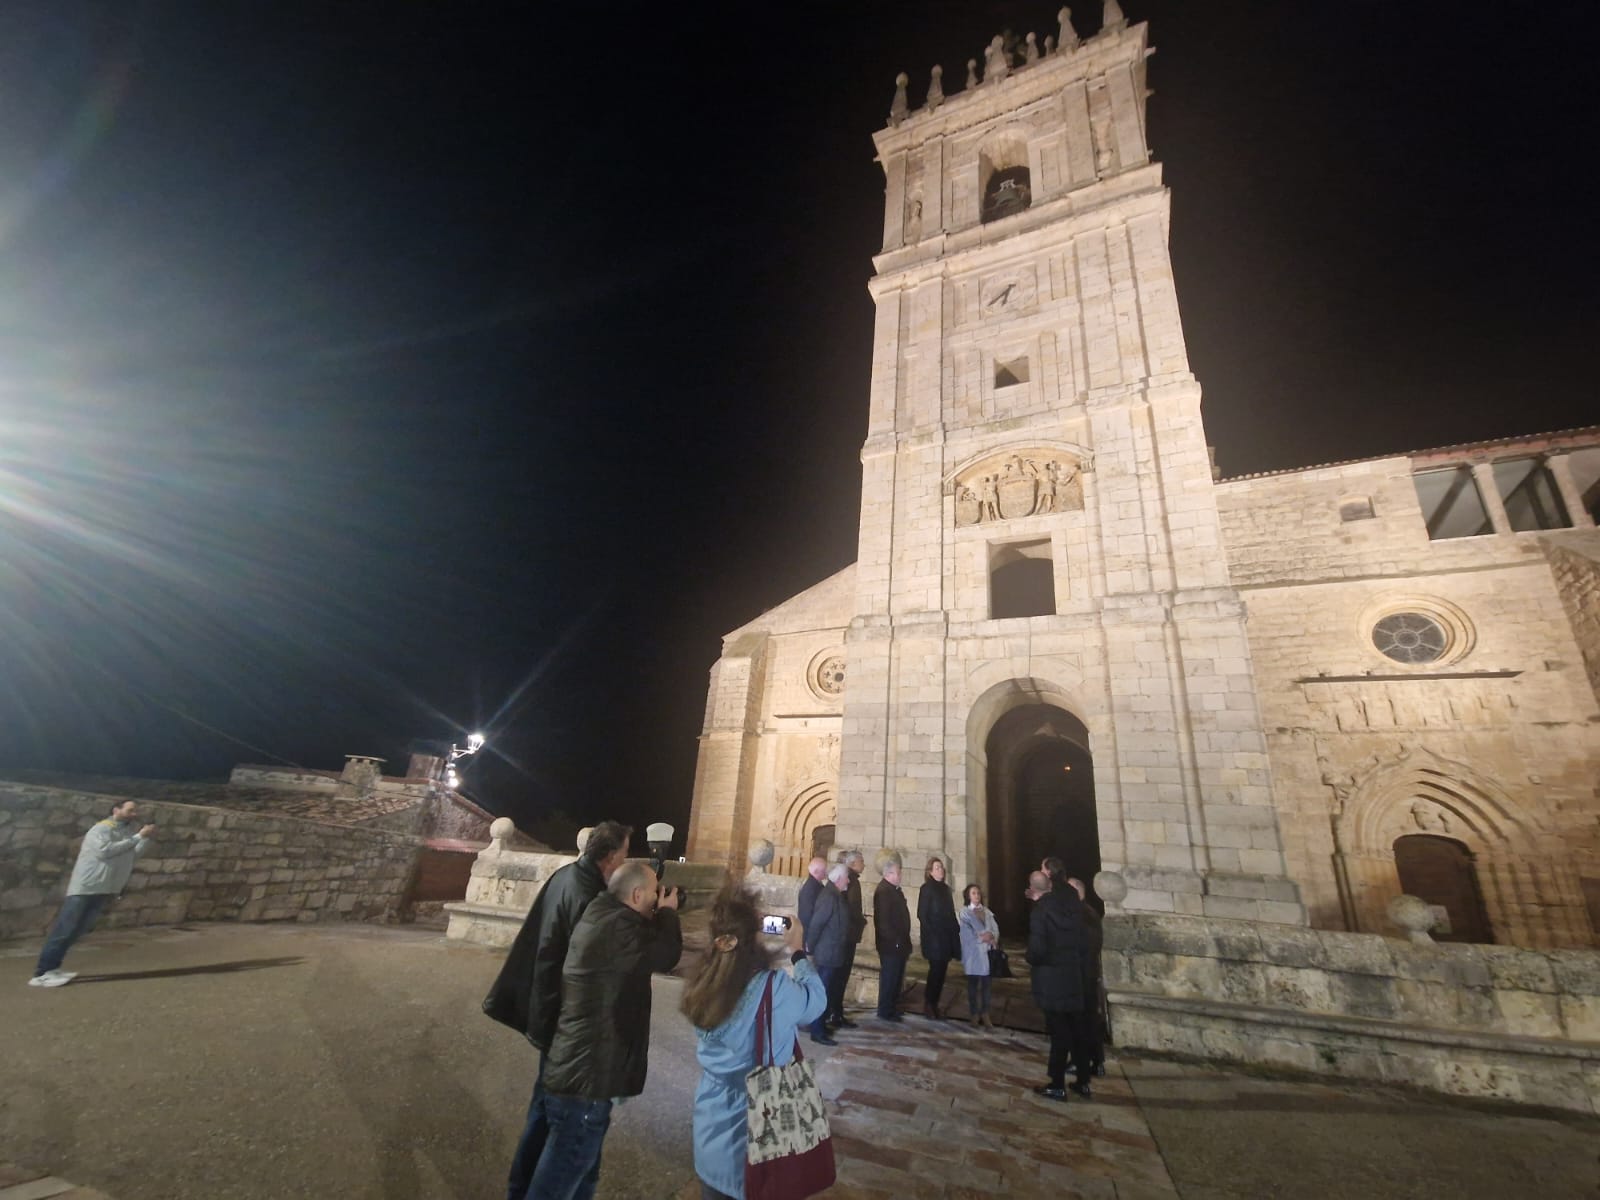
{"points": [[52, 979]]}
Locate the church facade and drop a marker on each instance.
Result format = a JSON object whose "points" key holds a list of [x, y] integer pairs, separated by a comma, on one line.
{"points": [[1284, 698]]}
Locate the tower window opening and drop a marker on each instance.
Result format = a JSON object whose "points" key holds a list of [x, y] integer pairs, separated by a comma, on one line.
{"points": [[1011, 373], [1022, 580], [1008, 191]]}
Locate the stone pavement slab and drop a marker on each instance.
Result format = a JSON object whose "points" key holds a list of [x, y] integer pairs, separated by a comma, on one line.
{"points": [[256, 1062]]}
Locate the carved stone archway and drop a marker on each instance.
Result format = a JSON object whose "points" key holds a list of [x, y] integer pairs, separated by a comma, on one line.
{"points": [[811, 807], [1529, 899]]}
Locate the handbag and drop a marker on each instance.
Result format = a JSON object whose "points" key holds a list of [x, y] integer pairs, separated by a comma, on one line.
{"points": [[999, 964], [787, 1143]]}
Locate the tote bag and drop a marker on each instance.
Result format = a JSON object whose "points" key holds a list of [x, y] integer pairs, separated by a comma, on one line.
{"points": [[999, 964], [788, 1148]]}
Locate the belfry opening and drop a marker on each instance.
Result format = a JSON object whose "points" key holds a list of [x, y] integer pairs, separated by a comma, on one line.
{"points": [[1040, 804]]}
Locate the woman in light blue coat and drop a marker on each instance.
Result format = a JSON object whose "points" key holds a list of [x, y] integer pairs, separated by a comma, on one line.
{"points": [[979, 935], [721, 1003]]}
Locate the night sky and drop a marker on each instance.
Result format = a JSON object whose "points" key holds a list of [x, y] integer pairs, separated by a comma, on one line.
{"points": [[376, 372]]}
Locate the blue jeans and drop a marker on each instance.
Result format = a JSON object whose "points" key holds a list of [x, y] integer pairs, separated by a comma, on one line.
{"points": [[77, 916], [534, 1132], [569, 1168], [891, 974]]}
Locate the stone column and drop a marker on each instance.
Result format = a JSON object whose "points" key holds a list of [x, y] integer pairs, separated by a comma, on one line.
{"points": [[1561, 471], [1483, 475]]}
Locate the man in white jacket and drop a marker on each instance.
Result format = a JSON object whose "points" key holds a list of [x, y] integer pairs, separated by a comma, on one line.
{"points": [[104, 863]]}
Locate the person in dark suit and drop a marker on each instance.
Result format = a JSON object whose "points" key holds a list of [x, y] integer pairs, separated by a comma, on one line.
{"points": [[858, 926], [891, 927], [1058, 952], [816, 873], [939, 931]]}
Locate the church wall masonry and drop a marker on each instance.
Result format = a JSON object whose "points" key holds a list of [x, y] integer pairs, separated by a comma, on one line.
{"points": [[1041, 533]]}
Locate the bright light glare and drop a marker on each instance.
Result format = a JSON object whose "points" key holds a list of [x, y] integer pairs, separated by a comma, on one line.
{"points": [[474, 742]]}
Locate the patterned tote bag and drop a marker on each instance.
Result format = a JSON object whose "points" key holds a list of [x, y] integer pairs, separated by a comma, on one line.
{"points": [[788, 1149]]}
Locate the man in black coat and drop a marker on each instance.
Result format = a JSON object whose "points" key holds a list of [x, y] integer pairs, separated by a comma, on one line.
{"points": [[891, 929], [600, 1052], [858, 926], [828, 935], [527, 993], [1058, 951], [805, 901]]}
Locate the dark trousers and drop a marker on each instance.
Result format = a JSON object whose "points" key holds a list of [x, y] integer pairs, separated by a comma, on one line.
{"points": [[534, 1132], [977, 995], [936, 973], [1070, 1038], [835, 1011], [832, 977], [569, 1168], [891, 974], [76, 918]]}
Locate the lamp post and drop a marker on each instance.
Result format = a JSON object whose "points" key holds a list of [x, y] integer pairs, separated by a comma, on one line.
{"points": [[452, 777]]}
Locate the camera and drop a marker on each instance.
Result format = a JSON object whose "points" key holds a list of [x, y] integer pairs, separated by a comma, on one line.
{"points": [[778, 925]]}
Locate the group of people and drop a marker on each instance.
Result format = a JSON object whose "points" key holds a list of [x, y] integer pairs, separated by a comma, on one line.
{"points": [[577, 984], [1064, 944]]}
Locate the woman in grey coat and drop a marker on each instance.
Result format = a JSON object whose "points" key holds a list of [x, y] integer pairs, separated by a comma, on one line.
{"points": [[979, 935]]}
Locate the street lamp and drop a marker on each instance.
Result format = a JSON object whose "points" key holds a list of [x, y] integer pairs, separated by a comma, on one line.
{"points": [[452, 777]]}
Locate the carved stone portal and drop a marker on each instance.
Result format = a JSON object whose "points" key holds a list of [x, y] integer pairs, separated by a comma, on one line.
{"points": [[1014, 485]]}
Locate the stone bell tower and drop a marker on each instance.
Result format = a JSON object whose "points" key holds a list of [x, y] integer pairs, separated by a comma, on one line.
{"points": [[1046, 653]]}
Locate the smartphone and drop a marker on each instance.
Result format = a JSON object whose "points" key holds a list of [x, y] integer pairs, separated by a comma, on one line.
{"points": [[775, 924]]}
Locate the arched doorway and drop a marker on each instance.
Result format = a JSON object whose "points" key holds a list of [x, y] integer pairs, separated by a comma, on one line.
{"points": [[1440, 871], [1040, 802]]}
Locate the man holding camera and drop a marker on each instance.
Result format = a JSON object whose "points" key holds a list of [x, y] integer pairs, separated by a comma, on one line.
{"points": [[600, 1052], [105, 860]]}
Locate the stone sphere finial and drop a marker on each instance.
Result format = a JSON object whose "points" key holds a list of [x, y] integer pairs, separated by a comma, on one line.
{"points": [[936, 87], [972, 73], [583, 837], [502, 830], [761, 853], [1030, 54], [1069, 35], [1412, 914], [900, 107], [884, 857], [1112, 888]]}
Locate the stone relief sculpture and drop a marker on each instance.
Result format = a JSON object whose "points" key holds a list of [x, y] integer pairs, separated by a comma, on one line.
{"points": [[1428, 818], [1018, 485]]}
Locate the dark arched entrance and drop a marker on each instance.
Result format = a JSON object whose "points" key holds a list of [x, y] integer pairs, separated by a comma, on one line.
{"points": [[1439, 870], [1040, 801]]}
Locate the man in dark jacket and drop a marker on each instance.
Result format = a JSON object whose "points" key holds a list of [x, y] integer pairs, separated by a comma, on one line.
{"points": [[600, 1052], [891, 929], [858, 926], [1058, 951], [527, 994], [828, 935], [806, 900], [1094, 928]]}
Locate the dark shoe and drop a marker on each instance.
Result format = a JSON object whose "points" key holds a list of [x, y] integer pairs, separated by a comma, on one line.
{"points": [[894, 1016], [1100, 1070], [824, 1040], [845, 1023], [1081, 1089], [1050, 1093]]}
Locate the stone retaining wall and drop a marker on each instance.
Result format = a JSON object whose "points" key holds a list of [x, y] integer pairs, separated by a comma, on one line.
{"points": [[206, 864], [1493, 1021]]}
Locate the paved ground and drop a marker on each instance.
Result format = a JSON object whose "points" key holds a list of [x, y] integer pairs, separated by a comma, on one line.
{"points": [[267, 1061]]}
